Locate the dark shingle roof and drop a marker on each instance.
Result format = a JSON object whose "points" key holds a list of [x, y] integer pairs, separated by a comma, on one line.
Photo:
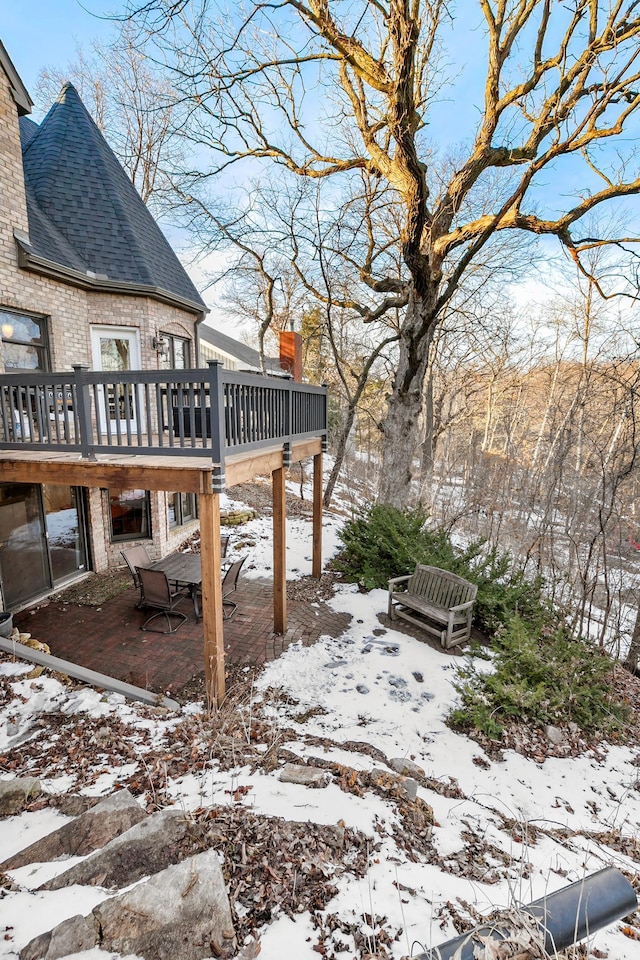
{"points": [[246, 356], [28, 129], [84, 212]]}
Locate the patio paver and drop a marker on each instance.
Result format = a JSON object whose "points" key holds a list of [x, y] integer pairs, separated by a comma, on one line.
{"points": [[108, 638]]}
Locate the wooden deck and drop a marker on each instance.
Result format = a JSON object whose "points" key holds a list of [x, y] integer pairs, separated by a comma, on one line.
{"points": [[193, 431]]}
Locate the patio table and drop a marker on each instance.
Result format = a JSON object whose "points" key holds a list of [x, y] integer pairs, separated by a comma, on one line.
{"points": [[183, 568]]}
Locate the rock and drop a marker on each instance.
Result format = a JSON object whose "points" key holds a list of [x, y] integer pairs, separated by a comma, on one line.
{"points": [[144, 849], [554, 734], [182, 912], [407, 768], [306, 776], [71, 936], [404, 787], [85, 834], [71, 804], [234, 518], [15, 794]]}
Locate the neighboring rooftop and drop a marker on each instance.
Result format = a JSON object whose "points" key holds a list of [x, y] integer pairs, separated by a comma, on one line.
{"points": [[86, 219], [247, 357]]}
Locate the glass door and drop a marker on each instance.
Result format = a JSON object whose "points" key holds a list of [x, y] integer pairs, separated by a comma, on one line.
{"points": [[116, 350], [42, 539], [65, 531], [24, 562]]}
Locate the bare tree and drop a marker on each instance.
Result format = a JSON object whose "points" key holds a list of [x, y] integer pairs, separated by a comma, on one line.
{"points": [[561, 82], [292, 259], [133, 105]]}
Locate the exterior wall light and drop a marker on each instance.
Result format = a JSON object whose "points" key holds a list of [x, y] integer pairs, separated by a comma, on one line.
{"points": [[160, 345]]}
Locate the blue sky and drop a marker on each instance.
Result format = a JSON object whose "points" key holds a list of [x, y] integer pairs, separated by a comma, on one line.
{"points": [[46, 33], [39, 33]]}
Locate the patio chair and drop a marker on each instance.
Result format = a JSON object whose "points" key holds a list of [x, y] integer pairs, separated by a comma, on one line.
{"points": [[229, 585], [136, 557], [156, 593]]}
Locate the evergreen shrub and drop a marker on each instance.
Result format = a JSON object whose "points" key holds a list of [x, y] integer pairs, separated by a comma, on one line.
{"points": [[538, 675], [540, 680], [382, 542]]}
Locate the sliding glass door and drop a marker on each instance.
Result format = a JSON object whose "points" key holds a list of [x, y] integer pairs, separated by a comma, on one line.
{"points": [[42, 539], [24, 563], [65, 531]]}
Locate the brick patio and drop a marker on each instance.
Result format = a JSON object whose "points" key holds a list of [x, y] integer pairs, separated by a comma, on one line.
{"points": [[108, 638]]}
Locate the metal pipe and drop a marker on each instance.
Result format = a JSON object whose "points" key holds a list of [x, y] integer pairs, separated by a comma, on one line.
{"points": [[563, 918], [85, 675]]}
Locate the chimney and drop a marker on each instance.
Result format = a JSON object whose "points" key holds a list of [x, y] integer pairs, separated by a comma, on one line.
{"points": [[291, 353]]}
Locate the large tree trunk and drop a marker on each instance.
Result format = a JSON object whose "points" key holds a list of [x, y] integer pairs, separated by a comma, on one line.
{"points": [[339, 452], [633, 653], [401, 425]]}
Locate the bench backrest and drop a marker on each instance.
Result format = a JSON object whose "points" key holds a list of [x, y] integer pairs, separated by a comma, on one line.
{"points": [[440, 587]]}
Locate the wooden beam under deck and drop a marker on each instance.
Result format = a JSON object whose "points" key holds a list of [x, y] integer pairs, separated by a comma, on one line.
{"points": [[316, 569], [212, 611], [139, 472], [188, 475], [240, 468], [279, 550]]}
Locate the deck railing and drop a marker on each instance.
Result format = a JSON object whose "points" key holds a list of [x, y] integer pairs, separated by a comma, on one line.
{"points": [[210, 412]]}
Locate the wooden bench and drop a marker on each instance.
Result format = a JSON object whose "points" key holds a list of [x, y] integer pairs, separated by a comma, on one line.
{"points": [[439, 597]]}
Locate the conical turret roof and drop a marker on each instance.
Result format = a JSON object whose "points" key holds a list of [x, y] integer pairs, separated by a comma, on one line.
{"points": [[84, 212]]}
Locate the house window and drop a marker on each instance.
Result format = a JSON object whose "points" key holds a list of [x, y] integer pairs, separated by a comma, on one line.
{"points": [[177, 355], [130, 513], [24, 341], [181, 508]]}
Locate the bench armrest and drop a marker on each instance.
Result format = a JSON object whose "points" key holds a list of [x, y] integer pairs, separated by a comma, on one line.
{"points": [[462, 606], [396, 580]]}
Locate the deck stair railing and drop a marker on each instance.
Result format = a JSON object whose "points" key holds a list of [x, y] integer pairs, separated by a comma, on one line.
{"points": [[210, 412]]}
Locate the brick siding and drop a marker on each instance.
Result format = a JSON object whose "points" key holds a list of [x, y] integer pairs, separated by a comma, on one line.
{"points": [[70, 312]]}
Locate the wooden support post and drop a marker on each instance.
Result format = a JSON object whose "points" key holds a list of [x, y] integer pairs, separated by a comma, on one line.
{"points": [[279, 551], [212, 597], [316, 567]]}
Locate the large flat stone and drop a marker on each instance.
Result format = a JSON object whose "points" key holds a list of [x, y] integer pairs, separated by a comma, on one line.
{"points": [[407, 768], [70, 936], [146, 848], [182, 913], [313, 777], [86, 833]]}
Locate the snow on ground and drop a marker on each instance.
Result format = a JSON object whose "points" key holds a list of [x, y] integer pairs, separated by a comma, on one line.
{"points": [[255, 539], [506, 831]]}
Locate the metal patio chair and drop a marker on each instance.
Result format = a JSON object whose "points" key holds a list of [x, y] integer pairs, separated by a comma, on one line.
{"points": [[136, 557], [156, 593], [229, 585]]}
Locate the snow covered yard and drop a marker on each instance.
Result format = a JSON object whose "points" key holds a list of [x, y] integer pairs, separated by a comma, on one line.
{"points": [[506, 828]]}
